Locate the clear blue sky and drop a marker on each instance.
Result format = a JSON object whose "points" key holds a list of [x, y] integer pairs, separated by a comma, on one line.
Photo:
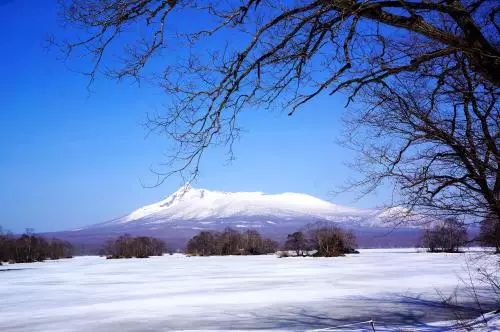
{"points": [[70, 158]]}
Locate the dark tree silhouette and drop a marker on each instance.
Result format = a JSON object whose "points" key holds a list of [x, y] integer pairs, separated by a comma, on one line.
{"points": [[329, 240], [446, 236], [29, 248], [127, 246], [230, 242], [297, 242], [490, 233], [321, 239], [203, 244]]}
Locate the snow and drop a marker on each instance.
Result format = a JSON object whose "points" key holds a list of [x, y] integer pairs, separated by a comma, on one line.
{"points": [[488, 322], [190, 203], [394, 287], [484, 323]]}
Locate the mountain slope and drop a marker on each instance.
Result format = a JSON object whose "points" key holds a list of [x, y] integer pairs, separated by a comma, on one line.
{"points": [[188, 210], [189, 203]]}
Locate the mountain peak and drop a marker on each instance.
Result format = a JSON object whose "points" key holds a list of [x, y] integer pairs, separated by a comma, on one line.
{"points": [[190, 210], [187, 192], [189, 203], [182, 190], [197, 208]]}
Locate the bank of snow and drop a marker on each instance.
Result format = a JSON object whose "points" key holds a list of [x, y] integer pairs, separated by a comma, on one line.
{"points": [[396, 288]]}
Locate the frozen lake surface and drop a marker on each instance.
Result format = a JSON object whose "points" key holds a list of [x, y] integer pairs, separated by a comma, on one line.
{"points": [[175, 292]]}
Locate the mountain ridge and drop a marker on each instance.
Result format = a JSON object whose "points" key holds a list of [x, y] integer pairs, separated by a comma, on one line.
{"points": [[189, 203], [187, 211]]}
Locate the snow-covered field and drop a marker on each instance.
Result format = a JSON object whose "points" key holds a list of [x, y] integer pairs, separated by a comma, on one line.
{"points": [[396, 288]]}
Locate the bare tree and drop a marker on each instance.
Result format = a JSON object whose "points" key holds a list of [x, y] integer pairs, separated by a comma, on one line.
{"points": [[329, 240], [277, 53], [445, 236], [425, 75], [433, 133], [297, 242]]}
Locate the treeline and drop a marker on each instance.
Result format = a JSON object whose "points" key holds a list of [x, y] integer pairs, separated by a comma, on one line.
{"points": [[489, 235], [127, 246], [321, 240], [450, 235], [29, 248], [230, 242]]}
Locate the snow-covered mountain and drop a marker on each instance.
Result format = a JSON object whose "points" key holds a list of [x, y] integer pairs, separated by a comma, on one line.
{"points": [[207, 208], [197, 204], [188, 210]]}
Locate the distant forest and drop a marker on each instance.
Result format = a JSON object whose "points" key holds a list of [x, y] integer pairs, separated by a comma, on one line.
{"points": [[230, 242], [127, 246], [319, 239], [28, 248]]}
